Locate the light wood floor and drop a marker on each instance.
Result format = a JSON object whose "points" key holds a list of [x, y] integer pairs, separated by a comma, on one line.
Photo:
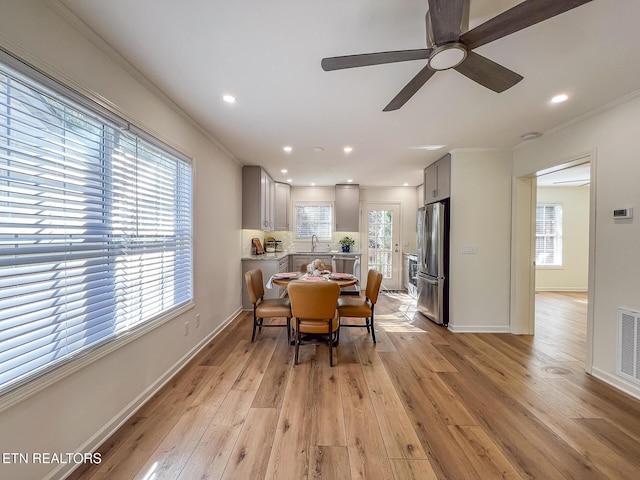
{"points": [[422, 404]]}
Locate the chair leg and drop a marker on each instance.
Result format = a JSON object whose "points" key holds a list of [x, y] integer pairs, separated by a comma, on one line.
{"points": [[297, 341], [373, 331], [255, 322], [288, 330], [330, 343]]}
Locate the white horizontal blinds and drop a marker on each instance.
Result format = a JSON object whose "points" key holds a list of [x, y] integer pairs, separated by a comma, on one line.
{"points": [[548, 234], [313, 219], [152, 221], [90, 244]]}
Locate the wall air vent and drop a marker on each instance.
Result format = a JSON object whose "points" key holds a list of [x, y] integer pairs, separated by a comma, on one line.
{"points": [[629, 345]]}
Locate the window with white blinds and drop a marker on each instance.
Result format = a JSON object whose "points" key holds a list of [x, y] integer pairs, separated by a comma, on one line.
{"points": [[548, 235], [95, 228], [314, 219]]}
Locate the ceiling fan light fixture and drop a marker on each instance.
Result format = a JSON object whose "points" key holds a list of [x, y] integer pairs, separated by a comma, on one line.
{"points": [[447, 56]]}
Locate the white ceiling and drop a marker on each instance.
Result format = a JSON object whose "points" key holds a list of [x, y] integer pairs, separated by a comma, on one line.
{"points": [[576, 176], [267, 54]]}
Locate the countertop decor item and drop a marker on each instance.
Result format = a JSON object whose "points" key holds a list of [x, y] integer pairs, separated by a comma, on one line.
{"points": [[258, 246], [347, 243]]}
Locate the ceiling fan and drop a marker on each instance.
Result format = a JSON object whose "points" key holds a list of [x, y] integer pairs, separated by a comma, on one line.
{"points": [[450, 44]]}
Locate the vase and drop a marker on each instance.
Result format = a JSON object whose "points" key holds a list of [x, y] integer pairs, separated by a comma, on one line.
{"points": [[346, 248]]}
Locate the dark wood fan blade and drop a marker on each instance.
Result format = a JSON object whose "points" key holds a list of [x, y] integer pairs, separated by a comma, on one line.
{"points": [[378, 58], [445, 20], [517, 18], [488, 73], [410, 89]]}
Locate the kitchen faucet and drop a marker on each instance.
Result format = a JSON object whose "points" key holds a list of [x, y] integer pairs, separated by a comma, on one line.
{"points": [[314, 241]]}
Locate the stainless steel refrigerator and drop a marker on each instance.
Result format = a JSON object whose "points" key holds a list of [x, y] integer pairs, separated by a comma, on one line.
{"points": [[433, 262]]}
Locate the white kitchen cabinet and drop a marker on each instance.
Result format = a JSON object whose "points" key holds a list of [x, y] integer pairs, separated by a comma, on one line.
{"points": [[347, 208], [282, 203], [437, 180], [258, 199]]}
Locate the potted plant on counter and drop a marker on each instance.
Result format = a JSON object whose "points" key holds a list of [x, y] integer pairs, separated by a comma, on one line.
{"points": [[346, 243]]}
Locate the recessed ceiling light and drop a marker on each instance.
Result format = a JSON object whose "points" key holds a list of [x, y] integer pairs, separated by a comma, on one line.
{"points": [[288, 149], [313, 184], [563, 97], [350, 180], [348, 149], [318, 149], [289, 180], [284, 170], [229, 98], [405, 184]]}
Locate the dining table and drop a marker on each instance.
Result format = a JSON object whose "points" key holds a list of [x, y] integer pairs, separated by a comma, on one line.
{"points": [[342, 279]]}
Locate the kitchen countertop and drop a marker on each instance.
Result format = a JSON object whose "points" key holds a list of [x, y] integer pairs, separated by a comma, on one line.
{"points": [[281, 255]]}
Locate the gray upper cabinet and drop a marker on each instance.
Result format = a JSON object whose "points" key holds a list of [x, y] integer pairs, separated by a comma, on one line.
{"points": [[437, 180], [258, 199], [282, 202], [347, 208]]}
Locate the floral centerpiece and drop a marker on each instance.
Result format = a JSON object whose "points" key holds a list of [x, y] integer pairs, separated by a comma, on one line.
{"points": [[346, 243]]}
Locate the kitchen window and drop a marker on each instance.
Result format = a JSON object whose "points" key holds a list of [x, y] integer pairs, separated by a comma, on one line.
{"points": [[313, 219], [549, 235], [95, 229]]}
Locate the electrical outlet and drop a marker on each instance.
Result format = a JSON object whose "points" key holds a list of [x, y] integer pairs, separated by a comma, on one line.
{"points": [[197, 320], [186, 328]]}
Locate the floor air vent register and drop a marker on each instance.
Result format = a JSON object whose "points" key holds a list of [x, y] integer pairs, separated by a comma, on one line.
{"points": [[629, 345]]}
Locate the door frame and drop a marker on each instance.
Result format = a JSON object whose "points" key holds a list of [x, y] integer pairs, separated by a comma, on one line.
{"points": [[523, 202], [364, 235]]}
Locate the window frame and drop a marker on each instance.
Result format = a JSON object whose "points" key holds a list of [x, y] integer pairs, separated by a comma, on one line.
{"points": [[557, 236], [93, 106], [331, 221]]}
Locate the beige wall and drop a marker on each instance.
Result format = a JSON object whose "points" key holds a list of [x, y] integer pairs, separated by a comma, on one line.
{"points": [[74, 413], [612, 137], [480, 217], [573, 275]]}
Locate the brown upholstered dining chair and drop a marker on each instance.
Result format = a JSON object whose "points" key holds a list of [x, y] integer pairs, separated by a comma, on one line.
{"points": [[266, 308], [313, 306], [358, 307]]}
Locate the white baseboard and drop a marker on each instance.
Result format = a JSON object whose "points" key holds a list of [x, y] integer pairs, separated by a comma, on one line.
{"points": [[562, 289], [617, 382], [479, 328], [92, 444]]}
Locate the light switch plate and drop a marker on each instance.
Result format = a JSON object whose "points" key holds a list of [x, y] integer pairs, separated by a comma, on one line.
{"points": [[468, 249]]}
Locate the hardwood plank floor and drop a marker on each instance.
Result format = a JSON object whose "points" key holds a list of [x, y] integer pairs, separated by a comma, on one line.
{"points": [[422, 403]]}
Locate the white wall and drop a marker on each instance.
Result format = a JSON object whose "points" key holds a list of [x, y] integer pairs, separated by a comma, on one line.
{"points": [[573, 275], [74, 414], [613, 137], [480, 217]]}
